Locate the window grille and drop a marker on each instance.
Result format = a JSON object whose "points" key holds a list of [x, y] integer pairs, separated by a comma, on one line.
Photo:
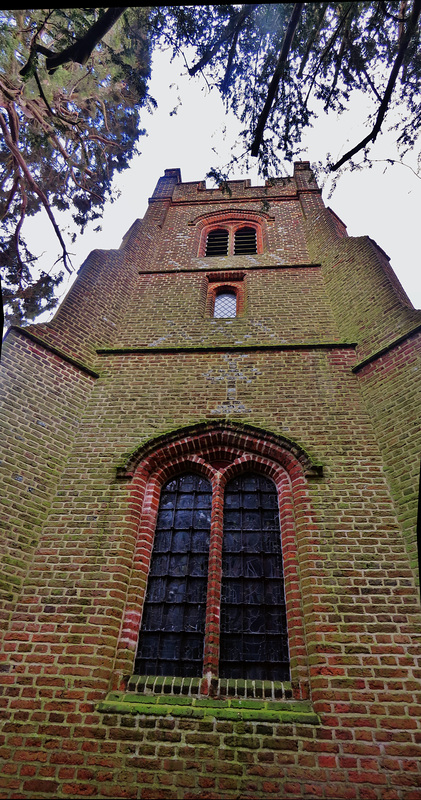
{"points": [[217, 243], [225, 305], [254, 642], [173, 624], [245, 241]]}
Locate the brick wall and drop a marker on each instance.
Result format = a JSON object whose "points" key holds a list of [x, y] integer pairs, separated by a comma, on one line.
{"points": [[391, 388], [319, 397], [34, 449]]}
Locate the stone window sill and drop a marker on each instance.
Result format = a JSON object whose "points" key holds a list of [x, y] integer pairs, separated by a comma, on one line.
{"points": [[180, 697]]}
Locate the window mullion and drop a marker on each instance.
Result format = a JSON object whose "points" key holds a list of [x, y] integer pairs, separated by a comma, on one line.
{"points": [[231, 230], [213, 602]]}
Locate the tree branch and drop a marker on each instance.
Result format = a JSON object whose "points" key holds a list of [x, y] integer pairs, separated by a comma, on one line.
{"points": [[231, 54], [312, 39], [17, 231], [339, 57], [82, 48], [49, 131], [35, 48], [11, 195], [20, 161], [84, 188], [371, 84], [405, 40], [286, 44], [329, 45], [231, 28]]}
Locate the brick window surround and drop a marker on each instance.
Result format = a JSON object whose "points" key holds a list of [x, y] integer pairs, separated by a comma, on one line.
{"points": [[171, 641], [219, 454], [231, 226], [225, 281]]}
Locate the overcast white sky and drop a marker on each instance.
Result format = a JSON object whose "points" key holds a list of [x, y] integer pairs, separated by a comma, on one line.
{"points": [[385, 204]]}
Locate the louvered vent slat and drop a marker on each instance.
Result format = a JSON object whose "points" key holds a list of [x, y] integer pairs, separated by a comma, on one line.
{"points": [[245, 241], [217, 243]]}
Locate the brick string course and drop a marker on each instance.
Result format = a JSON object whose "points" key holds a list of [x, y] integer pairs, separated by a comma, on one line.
{"points": [[317, 382]]}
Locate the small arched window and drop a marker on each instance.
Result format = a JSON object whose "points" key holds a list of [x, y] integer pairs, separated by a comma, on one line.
{"points": [[245, 241], [225, 304], [217, 242]]}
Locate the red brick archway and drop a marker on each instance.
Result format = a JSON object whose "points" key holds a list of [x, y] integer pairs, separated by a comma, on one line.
{"points": [[220, 452], [231, 220]]}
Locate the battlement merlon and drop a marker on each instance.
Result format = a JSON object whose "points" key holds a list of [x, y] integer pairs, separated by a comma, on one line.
{"points": [[170, 186]]}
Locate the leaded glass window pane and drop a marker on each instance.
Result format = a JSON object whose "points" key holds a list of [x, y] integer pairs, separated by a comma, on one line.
{"points": [[254, 642], [217, 243], [225, 305], [245, 241], [173, 623]]}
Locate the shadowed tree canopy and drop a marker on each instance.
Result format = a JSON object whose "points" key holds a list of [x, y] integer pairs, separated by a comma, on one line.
{"points": [[72, 83], [271, 61]]}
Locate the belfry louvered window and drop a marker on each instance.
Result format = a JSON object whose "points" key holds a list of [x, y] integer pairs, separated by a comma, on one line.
{"points": [[180, 605], [232, 239], [245, 241], [217, 242], [225, 305]]}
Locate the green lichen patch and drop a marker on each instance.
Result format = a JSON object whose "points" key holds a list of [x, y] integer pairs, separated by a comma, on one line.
{"points": [[193, 707]]}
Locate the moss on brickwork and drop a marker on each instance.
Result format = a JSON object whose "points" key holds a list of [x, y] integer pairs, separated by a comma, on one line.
{"points": [[391, 388], [316, 382], [230, 709]]}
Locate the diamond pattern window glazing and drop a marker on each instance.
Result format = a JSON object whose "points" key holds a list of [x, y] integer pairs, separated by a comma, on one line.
{"points": [[225, 305]]}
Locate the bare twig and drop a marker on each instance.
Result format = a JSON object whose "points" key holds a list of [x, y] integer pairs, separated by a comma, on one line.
{"points": [[104, 111], [102, 139], [395, 161], [84, 188]]}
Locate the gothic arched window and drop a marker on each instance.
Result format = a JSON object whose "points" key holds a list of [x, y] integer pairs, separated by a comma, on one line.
{"points": [[254, 641], [178, 622], [174, 612]]}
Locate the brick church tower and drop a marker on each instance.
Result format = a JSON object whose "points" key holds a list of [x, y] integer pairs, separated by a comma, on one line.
{"points": [[210, 476]]}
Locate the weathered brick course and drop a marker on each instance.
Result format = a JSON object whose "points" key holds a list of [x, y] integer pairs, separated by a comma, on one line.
{"points": [[316, 384]]}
